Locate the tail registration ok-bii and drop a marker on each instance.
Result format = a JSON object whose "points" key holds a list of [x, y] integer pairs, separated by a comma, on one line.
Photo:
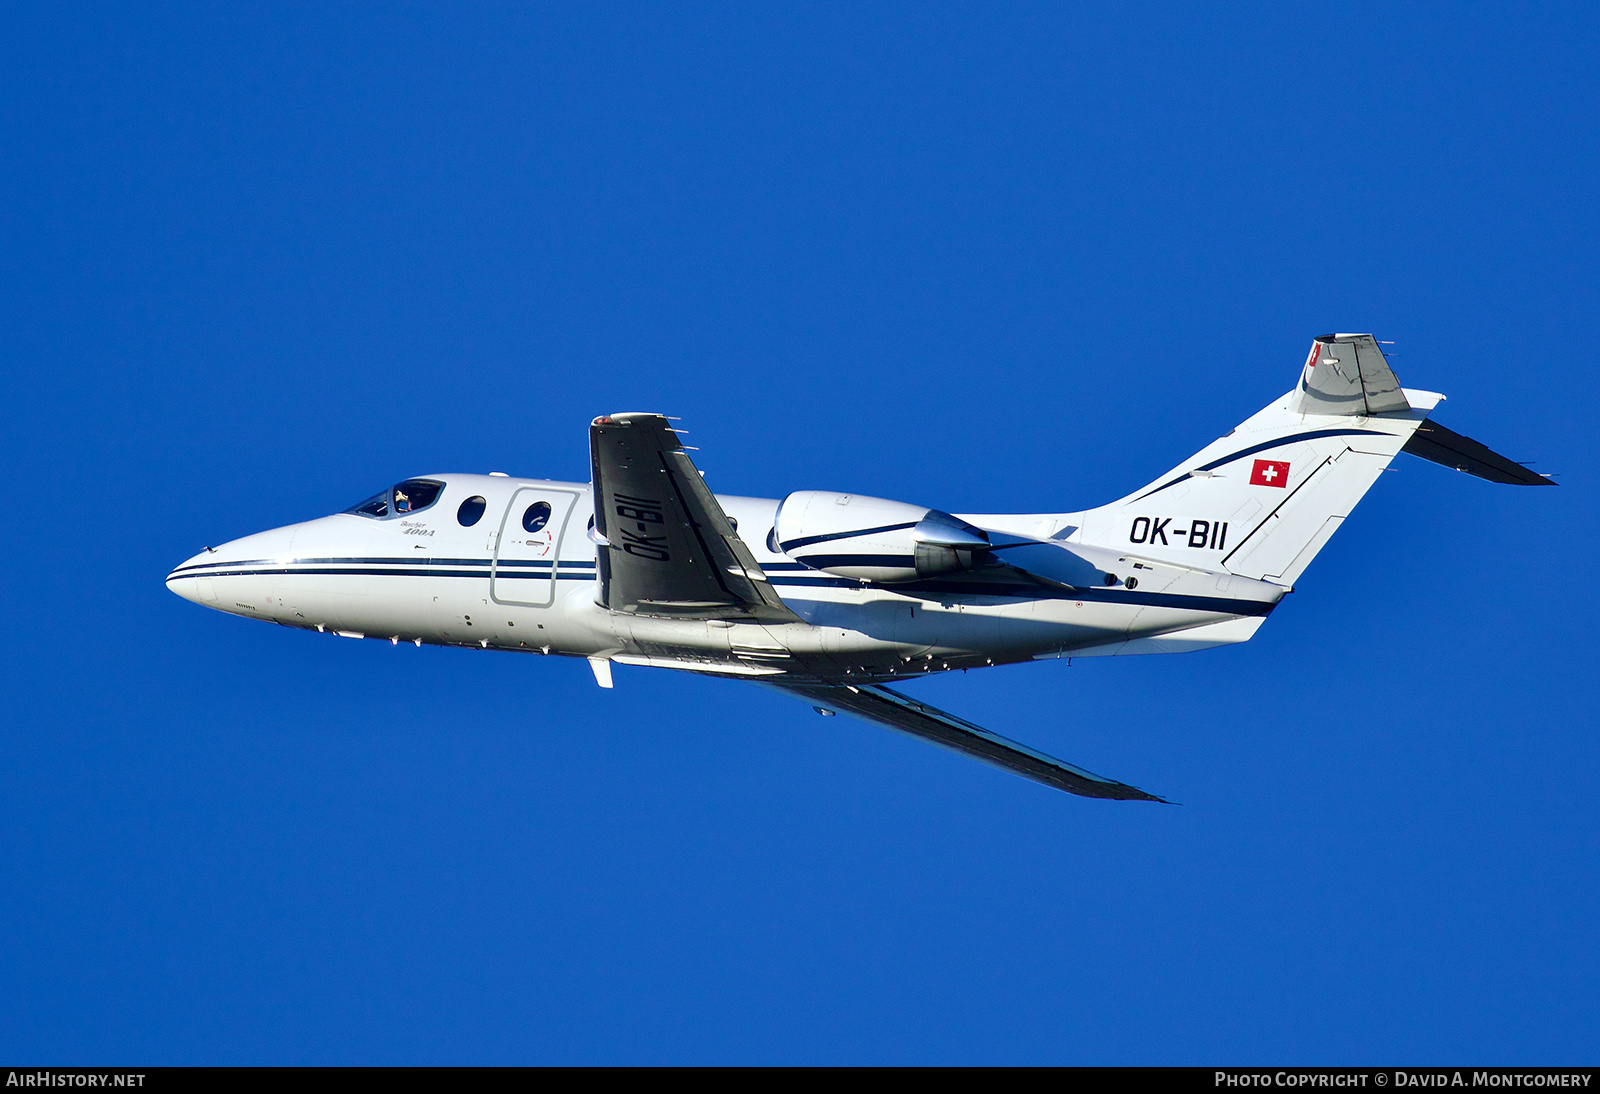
{"points": [[834, 597]]}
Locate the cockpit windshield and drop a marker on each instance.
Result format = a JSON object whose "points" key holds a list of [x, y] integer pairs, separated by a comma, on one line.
{"points": [[375, 506], [411, 496], [415, 495]]}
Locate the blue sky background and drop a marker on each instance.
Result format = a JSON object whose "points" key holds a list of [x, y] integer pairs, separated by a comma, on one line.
{"points": [[255, 265]]}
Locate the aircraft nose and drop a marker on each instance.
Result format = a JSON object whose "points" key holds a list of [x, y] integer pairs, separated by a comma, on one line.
{"points": [[188, 579], [202, 578]]}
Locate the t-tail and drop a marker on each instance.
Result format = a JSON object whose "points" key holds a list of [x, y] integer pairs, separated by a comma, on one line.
{"points": [[1263, 500]]}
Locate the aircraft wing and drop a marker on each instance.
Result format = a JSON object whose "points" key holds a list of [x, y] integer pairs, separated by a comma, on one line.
{"points": [[879, 704], [667, 548]]}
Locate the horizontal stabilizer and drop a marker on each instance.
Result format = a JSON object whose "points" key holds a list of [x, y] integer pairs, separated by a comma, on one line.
{"points": [[1347, 375], [1433, 441], [879, 704]]}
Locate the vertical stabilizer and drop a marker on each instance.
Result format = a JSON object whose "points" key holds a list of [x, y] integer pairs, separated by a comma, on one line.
{"points": [[1263, 500]]}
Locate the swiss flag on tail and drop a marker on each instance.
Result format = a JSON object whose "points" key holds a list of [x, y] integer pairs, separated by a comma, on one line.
{"points": [[1269, 473]]}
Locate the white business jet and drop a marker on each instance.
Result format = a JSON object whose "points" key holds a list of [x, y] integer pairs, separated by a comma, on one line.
{"points": [[834, 596]]}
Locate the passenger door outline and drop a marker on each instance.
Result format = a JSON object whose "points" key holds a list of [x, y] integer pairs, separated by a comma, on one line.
{"points": [[521, 572]]}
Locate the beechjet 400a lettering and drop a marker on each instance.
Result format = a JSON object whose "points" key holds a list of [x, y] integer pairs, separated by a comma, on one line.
{"points": [[832, 596]]}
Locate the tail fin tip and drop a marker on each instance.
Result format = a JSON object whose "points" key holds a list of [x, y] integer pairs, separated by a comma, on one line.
{"points": [[1347, 375]]}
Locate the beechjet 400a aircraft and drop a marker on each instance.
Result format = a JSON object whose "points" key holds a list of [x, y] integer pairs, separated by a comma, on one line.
{"points": [[833, 596]]}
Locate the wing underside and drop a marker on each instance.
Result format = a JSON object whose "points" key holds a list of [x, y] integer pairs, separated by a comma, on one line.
{"points": [[876, 703]]}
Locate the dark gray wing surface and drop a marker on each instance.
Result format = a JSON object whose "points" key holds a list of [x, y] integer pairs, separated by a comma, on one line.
{"points": [[1433, 441], [667, 547], [879, 704]]}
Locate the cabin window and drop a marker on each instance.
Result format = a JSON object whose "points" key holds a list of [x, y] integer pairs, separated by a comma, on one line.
{"points": [[536, 516], [471, 511]]}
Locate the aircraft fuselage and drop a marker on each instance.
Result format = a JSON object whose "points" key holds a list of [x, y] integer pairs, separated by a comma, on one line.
{"points": [[431, 577]]}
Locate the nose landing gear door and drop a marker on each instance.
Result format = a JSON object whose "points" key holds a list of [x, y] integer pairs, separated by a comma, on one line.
{"points": [[527, 547]]}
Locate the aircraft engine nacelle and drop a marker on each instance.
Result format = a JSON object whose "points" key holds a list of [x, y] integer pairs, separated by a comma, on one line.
{"points": [[874, 539]]}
